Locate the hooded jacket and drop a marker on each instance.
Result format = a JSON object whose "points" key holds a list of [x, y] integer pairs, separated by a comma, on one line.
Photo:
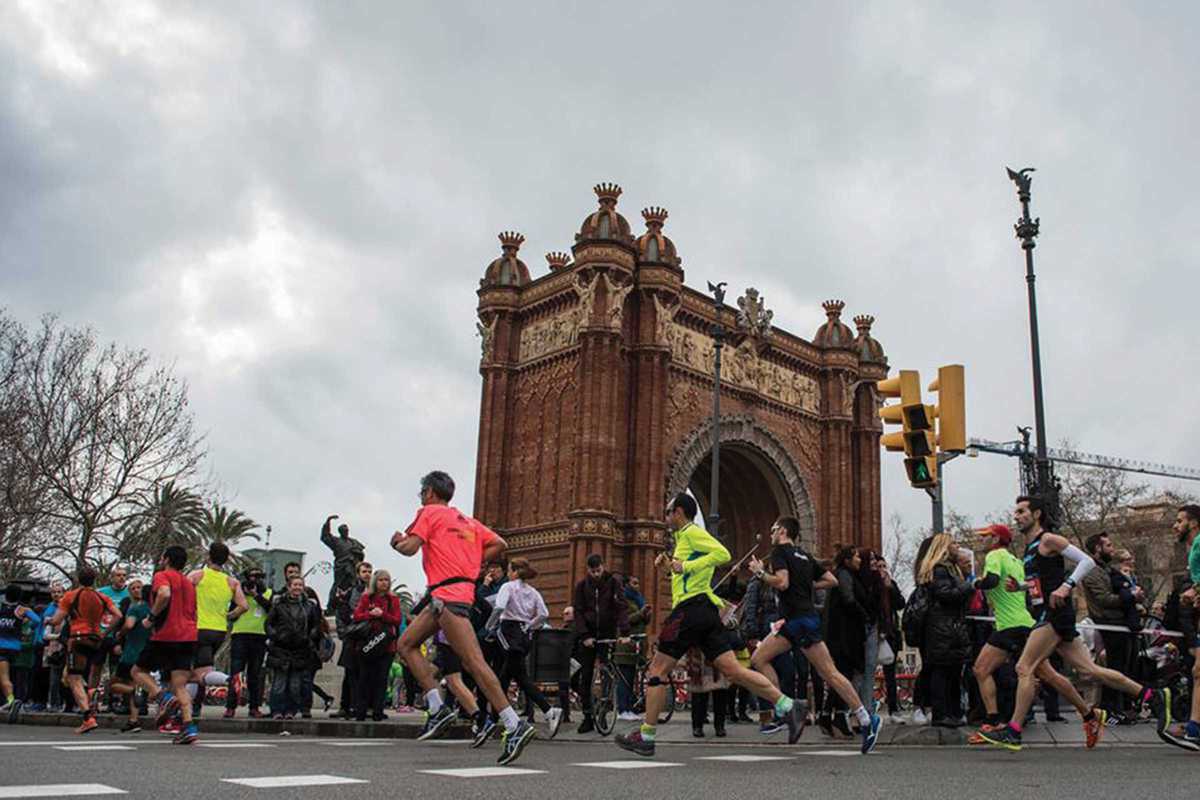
{"points": [[601, 610]]}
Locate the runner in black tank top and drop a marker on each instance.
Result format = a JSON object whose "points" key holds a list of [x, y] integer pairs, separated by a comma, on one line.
{"points": [[1047, 581]]}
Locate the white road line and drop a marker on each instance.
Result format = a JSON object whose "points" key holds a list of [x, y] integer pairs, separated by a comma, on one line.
{"points": [[58, 790], [830, 753], [744, 758], [629, 764], [94, 747], [233, 745], [483, 772], [369, 743], [280, 781]]}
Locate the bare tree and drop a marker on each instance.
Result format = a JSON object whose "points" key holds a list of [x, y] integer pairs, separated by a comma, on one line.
{"points": [[900, 545], [1092, 497], [104, 428]]}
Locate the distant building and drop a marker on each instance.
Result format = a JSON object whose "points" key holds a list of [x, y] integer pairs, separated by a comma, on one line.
{"points": [[272, 562]]}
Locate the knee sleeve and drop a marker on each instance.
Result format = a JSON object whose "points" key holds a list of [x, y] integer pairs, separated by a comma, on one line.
{"points": [[654, 680]]}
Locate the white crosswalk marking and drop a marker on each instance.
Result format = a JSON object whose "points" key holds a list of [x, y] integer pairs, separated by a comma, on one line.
{"points": [[359, 744], [233, 745], [744, 758], [628, 764], [830, 753], [482, 772], [58, 790], [280, 781], [91, 747]]}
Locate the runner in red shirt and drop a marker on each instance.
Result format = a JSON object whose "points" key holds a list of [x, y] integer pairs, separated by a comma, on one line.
{"points": [[173, 642], [453, 547]]}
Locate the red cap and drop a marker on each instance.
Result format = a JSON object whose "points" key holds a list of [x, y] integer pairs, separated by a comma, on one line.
{"points": [[1001, 533]]}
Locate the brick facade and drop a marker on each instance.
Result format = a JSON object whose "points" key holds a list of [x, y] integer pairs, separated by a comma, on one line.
{"points": [[597, 406]]}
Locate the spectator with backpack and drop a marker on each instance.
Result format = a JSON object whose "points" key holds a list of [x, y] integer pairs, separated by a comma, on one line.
{"points": [[14, 619]]}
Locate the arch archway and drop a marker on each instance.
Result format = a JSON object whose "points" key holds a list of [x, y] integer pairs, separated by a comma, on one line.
{"points": [[759, 481]]}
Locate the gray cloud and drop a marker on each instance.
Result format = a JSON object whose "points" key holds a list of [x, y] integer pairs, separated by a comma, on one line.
{"points": [[295, 202]]}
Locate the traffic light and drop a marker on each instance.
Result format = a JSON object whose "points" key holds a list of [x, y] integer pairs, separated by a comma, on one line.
{"points": [[917, 438], [951, 413]]}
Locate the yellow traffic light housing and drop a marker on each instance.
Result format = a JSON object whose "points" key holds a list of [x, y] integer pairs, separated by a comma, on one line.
{"points": [[917, 440], [922, 472], [951, 408]]}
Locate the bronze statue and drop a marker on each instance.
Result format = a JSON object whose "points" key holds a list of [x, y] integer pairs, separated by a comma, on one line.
{"points": [[347, 553]]}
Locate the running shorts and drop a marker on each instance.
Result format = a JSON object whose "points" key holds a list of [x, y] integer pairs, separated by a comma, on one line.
{"points": [[446, 660], [1010, 640], [1062, 620], [207, 644], [803, 631], [174, 657], [147, 660], [124, 672], [82, 657], [694, 623], [457, 609]]}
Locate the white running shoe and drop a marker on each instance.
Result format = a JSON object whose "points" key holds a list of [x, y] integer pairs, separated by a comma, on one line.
{"points": [[628, 716], [553, 720], [919, 717], [898, 719]]}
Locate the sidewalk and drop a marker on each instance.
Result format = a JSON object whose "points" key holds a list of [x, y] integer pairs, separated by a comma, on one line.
{"points": [[678, 731]]}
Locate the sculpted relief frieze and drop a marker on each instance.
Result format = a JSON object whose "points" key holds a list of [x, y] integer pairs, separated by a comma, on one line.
{"points": [[741, 366], [549, 335]]}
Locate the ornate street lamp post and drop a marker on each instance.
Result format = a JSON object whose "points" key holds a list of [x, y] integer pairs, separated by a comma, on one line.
{"points": [[1027, 229], [718, 333]]}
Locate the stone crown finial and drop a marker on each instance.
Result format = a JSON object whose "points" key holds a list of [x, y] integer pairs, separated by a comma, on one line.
{"points": [[833, 308], [864, 322], [607, 192], [511, 239], [558, 259], [655, 216]]}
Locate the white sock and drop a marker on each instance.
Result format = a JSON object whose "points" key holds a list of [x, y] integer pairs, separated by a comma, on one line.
{"points": [[863, 717], [509, 718], [434, 699], [215, 678]]}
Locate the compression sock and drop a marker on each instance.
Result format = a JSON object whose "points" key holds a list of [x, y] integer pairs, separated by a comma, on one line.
{"points": [[783, 705], [648, 733], [1091, 715], [1015, 726], [862, 716], [509, 719], [434, 699]]}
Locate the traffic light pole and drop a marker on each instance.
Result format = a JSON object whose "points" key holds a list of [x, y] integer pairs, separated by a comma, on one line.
{"points": [[936, 493]]}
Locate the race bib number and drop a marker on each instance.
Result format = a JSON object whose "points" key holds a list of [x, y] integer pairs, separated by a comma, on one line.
{"points": [[1035, 591], [258, 612]]}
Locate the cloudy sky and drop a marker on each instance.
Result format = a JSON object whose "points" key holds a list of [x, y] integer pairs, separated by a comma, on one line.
{"points": [[294, 203]]}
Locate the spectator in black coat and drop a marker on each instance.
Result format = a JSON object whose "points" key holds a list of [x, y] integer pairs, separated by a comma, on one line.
{"points": [[293, 634], [846, 633], [947, 639]]}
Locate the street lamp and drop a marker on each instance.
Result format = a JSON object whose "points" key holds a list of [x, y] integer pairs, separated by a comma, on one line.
{"points": [[1027, 229], [718, 333]]}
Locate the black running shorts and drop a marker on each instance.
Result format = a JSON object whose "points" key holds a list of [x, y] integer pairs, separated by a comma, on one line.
{"points": [[694, 623], [207, 645], [174, 657], [446, 660], [1010, 640], [1062, 620]]}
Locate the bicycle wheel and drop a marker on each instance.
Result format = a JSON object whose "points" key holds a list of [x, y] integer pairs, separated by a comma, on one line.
{"points": [[604, 705]]}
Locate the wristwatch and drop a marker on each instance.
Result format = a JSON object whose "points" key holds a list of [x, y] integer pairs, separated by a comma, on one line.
{"points": [[1070, 582]]}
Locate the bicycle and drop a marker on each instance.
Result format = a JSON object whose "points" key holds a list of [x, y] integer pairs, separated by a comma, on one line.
{"points": [[604, 705]]}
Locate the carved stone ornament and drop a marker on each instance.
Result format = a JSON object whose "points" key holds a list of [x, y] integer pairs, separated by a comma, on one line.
{"points": [[742, 366], [663, 315], [616, 300], [586, 289], [487, 333], [753, 316], [548, 335]]}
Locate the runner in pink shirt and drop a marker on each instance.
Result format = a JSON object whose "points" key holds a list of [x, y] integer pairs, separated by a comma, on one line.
{"points": [[453, 547]]}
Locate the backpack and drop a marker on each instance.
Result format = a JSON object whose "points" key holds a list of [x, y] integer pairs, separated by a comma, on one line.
{"points": [[915, 614]]}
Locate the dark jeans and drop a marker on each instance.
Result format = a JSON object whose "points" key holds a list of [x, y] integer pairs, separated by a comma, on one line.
{"points": [[945, 689], [350, 668], [1120, 650], [625, 689], [514, 670], [889, 682], [246, 654], [720, 703], [587, 674], [922, 695], [287, 690], [372, 686]]}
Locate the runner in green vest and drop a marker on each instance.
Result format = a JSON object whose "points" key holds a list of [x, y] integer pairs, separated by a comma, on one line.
{"points": [[219, 601]]}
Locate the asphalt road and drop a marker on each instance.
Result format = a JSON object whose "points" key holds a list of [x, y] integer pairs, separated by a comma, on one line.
{"points": [[37, 762]]}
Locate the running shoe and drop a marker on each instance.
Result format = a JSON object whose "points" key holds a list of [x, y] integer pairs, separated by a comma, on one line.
{"points": [[795, 719], [634, 743], [7, 707], [1092, 728], [187, 735], [1006, 737], [14, 711], [484, 732], [131, 726], [977, 736], [513, 742], [1190, 740], [870, 733], [165, 710], [229, 713], [773, 727], [170, 728], [1160, 707], [628, 716], [437, 724], [553, 722], [88, 725]]}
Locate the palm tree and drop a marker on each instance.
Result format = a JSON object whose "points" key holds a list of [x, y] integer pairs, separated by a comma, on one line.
{"points": [[171, 516], [407, 601], [220, 523]]}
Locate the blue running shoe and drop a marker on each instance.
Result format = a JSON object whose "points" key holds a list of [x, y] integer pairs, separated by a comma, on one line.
{"points": [[870, 733]]}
